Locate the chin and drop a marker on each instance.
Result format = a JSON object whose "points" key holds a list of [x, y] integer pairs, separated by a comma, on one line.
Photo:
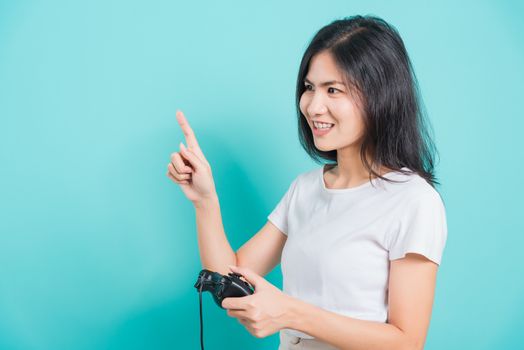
{"points": [[324, 149]]}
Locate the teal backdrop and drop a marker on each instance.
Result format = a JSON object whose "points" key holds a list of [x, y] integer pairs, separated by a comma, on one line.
{"points": [[98, 247]]}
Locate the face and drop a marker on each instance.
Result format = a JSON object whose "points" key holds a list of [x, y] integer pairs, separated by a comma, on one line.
{"points": [[326, 99]]}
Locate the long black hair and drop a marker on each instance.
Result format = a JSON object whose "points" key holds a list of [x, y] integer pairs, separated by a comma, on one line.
{"points": [[375, 65]]}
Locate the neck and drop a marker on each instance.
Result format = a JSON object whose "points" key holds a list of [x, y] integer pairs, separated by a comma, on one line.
{"points": [[350, 169]]}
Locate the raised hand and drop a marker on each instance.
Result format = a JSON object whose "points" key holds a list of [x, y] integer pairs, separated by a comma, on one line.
{"points": [[189, 168]]}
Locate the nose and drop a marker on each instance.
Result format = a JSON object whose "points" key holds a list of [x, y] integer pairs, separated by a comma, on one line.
{"points": [[316, 105]]}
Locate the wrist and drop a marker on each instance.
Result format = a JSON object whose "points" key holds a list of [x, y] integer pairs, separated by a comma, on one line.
{"points": [[206, 202], [294, 315]]}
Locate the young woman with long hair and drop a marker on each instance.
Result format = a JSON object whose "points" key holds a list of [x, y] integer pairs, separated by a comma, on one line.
{"points": [[360, 238]]}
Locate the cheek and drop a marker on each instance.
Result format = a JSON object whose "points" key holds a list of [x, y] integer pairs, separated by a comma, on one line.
{"points": [[303, 104], [349, 118]]}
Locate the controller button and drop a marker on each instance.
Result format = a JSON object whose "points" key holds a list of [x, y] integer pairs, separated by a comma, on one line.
{"points": [[295, 340]]}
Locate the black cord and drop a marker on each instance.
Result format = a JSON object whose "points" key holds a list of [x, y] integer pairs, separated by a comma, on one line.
{"points": [[201, 322]]}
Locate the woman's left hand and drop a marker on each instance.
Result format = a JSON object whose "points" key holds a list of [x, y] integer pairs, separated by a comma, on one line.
{"points": [[263, 313]]}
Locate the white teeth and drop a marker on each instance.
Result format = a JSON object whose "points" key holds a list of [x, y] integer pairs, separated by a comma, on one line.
{"points": [[322, 125]]}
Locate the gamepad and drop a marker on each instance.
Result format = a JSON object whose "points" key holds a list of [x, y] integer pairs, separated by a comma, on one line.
{"points": [[222, 286]]}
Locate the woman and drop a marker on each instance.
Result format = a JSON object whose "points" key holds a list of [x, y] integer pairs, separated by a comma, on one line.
{"points": [[359, 239]]}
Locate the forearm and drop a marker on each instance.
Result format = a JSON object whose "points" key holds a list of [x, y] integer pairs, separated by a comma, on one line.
{"points": [[345, 332], [215, 251]]}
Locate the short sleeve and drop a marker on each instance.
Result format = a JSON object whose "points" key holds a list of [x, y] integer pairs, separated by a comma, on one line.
{"points": [[422, 229], [279, 215]]}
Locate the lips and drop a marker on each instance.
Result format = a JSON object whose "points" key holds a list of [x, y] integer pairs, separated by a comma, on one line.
{"points": [[321, 132]]}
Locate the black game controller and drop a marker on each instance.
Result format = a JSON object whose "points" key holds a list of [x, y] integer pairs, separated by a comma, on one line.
{"points": [[221, 286]]}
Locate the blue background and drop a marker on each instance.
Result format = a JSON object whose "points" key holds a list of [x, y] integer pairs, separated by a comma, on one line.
{"points": [[98, 247]]}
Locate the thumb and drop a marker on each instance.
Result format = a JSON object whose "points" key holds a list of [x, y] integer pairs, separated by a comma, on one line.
{"points": [[251, 276], [191, 157]]}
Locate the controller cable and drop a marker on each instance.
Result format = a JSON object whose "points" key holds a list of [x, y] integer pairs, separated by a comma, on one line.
{"points": [[201, 322]]}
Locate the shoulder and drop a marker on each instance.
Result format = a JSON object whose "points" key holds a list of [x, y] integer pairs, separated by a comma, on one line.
{"points": [[307, 177], [413, 189]]}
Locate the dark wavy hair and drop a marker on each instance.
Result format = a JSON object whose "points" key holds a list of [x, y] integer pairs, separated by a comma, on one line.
{"points": [[373, 59]]}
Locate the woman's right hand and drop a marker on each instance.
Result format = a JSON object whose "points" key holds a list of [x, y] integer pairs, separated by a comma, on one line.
{"points": [[189, 168]]}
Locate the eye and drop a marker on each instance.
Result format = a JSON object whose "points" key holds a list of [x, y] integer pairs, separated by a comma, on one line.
{"points": [[307, 87], [332, 88]]}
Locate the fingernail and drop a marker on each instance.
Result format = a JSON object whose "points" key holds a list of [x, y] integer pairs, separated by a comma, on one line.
{"points": [[182, 147]]}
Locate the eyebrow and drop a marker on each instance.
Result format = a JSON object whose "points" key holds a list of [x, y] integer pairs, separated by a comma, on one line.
{"points": [[326, 83]]}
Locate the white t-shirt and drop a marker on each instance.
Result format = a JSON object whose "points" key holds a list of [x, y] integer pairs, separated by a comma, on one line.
{"points": [[340, 241]]}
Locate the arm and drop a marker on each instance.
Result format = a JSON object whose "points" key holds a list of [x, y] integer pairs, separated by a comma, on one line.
{"points": [[261, 252], [215, 251], [191, 170], [411, 291]]}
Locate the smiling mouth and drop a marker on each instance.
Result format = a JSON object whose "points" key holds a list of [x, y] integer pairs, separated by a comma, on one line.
{"points": [[323, 128]]}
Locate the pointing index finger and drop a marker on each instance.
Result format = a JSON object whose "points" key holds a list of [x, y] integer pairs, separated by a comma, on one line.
{"points": [[186, 129]]}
